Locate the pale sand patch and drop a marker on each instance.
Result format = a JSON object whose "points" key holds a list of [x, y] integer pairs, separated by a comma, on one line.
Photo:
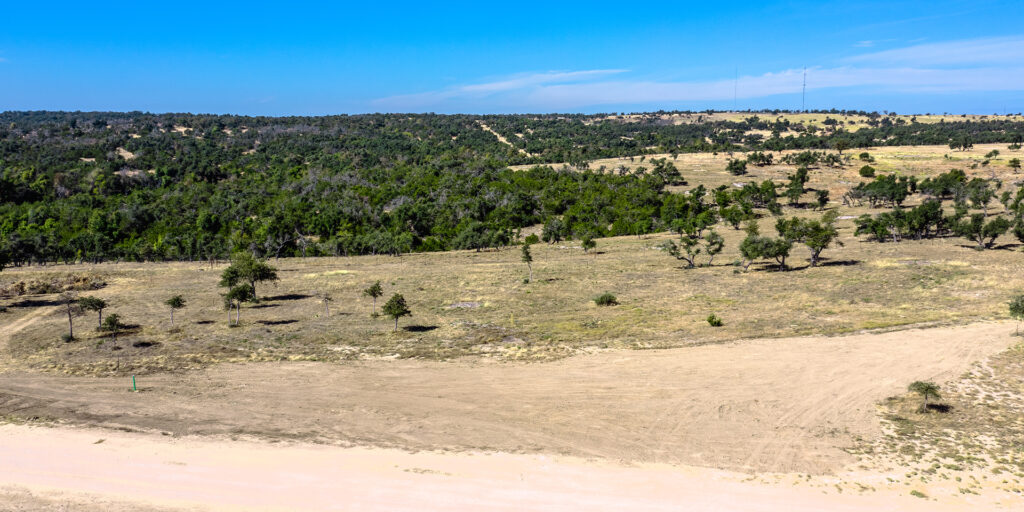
{"points": [[99, 470], [501, 138]]}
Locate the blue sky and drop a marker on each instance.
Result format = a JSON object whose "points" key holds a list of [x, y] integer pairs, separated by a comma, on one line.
{"points": [[303, 58]]}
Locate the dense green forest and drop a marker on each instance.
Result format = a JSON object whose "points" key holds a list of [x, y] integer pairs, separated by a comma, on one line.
{"points": [[136, 186]]}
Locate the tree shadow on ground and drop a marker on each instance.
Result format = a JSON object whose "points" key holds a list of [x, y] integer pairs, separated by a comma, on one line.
{"points": [[1006, 247], [204, 322], [35, 303], [288, 296], [276, 322], [943, 408], [837, 263], [419, 328], [262, 306]]}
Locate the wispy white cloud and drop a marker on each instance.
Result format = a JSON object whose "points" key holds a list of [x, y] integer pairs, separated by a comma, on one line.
{"points": [[992, 64], [864, 44], [514, 85], [770, 84], [527, 80], [990, 50]]}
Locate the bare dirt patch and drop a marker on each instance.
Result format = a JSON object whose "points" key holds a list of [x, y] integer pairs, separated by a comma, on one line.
{"points": [[758, 405], [64, 469]]}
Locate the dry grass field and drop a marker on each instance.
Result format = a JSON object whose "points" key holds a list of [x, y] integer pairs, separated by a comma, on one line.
{"points": [[469, 303], [794, 383], [851, 122], [708, 169]]}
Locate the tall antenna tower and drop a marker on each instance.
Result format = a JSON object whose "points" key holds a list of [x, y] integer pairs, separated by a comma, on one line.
{"points": [[735, 86], [803, 92]]}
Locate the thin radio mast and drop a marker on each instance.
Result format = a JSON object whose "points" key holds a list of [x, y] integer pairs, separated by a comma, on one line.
{"points": [[803, 92], [735, 86]]}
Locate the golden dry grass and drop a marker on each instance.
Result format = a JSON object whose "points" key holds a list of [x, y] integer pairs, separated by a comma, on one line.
{"points": [[850, 122], [476, 303], [470, 303]]}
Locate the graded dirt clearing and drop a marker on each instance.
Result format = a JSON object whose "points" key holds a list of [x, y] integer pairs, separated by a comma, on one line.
{"points": [[84, 470], [758, 405]]}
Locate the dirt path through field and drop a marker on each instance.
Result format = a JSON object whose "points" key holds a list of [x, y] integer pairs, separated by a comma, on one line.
{"points": [[87, 470], [7, 331], [501, 138], [785, 405]]}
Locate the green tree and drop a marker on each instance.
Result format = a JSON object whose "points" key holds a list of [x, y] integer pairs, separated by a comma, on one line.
{"points": [[736, 167], [817, 235], [1014, 164], [1017, 310], [822, 199], [246, 268], [552, 232], [90, 303], [528, 259], [588, 243], [755, 247], [687, 250], [113, 325], [396, 308], [795, 187], [374, 290], [176, 302], [713, 245], [926, 390], [984, 233], [235, 297]]}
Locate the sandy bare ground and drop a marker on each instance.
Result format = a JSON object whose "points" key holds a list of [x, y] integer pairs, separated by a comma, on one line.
{"points": [[501, 138], [87, 470], [10, 329], [785, 405]]}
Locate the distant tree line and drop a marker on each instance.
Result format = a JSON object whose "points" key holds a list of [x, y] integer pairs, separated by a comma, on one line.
{"points": [[137, 186]]}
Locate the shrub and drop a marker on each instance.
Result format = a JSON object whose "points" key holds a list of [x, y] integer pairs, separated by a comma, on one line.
{"points": [[531, 239], [714, 321], [606, 299], [737, 167], [1017, 310], [867, 171], [67, 338]]}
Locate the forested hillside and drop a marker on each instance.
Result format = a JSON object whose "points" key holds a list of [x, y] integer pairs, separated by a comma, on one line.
{"points": [[135, 186]]}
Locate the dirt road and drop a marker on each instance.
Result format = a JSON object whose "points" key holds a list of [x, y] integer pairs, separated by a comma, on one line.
{"points": [[785, 405], [91, 471]]}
